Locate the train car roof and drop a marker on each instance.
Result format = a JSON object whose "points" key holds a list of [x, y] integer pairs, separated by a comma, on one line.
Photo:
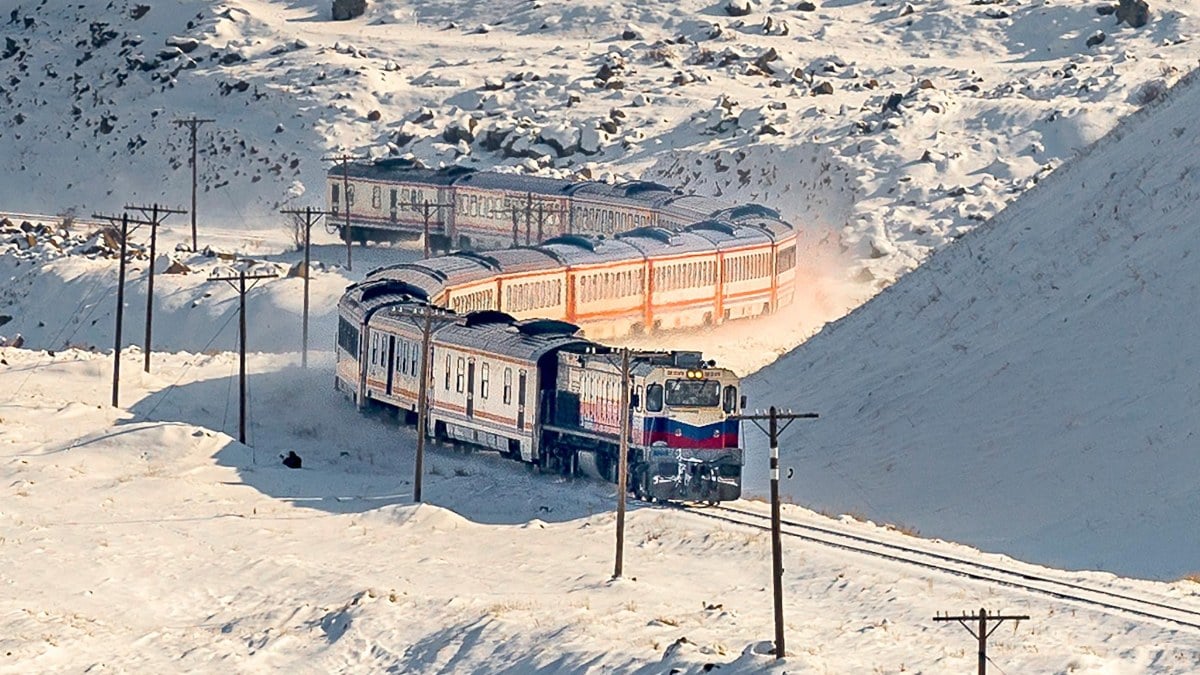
{"points": [[725, 235], [512, 182], [367, 298], [499, 333], [626, 190], [655, 241], [774, 227], [401, 171], [696, 207], [580, 249], [524, 259]]}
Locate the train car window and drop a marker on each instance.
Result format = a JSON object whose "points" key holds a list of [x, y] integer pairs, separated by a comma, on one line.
{"points": [[459, 375], [507, 386], [694, 393], [654, 398], [401, 363], [637, 397], [376, 197], [412, 360], [483, 381], [447, 372], [729, 399], [349, 195], [374, 349], [337, 196]]}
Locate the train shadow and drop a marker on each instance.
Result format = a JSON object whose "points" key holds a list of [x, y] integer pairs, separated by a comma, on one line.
{"points": [[354, 462]]}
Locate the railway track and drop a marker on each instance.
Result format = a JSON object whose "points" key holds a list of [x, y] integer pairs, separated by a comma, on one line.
{"points": [[1113, 601]]}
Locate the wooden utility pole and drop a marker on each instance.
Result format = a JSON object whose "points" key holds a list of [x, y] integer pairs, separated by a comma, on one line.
{"points": [[193, 124], [426, 210], [345, 160], [542, 216], [773, 431], [428, 315], [156, 214], [983, 633], [310, 218], [241, 278], [116, 383], [622, 464]]}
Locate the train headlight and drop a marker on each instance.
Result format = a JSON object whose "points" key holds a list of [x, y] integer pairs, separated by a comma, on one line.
{"points": [[695, 374]]}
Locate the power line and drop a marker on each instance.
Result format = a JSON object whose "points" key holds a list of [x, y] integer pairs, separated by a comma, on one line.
{"points": [[345, 159], [193, 124], [241, 278], [773, 431], [310, 219], [156, 215]]}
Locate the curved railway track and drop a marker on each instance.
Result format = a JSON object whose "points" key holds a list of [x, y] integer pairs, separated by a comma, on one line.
{"points": [[961, 567]]}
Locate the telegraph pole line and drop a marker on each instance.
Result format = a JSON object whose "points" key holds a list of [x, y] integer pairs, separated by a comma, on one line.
{"points": [[156, 214], [426, 209], [428, 314], [773, 431], [116, 382], [310, 218], [193, 124], [983, 633], [241, 279], [622, 464], [345, 160]]}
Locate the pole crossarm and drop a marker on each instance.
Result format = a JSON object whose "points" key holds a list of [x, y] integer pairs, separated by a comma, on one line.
{"points": [[983, 633], [245, 277], [149, 210]]}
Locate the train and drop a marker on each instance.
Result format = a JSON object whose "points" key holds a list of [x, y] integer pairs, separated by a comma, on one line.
{"points": [[687, 263], [537, 391]]}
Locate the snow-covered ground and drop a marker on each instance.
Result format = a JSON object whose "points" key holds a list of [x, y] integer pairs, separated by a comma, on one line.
{"points": [[146, 539], [1027, 392]]}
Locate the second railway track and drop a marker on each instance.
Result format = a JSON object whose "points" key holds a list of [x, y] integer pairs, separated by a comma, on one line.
{"points": [[1145, 608]]}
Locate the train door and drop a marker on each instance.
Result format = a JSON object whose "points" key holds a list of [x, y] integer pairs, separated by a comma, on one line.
{"points": [[391, 362], [521, 401], [471, 388], [393, 205]]}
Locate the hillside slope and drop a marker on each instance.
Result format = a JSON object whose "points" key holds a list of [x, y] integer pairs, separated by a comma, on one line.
{"points": [[888, 130], [1031, 388]]}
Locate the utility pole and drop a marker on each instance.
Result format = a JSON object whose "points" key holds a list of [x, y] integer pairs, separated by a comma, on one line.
{"points": [[426, 210], [116, 383], [622, 464], [428, 314], [193, 124], [542, 215], [241, 278], [345, 159], [310, 219], [983, 633], [773, 431], [156, 214]]}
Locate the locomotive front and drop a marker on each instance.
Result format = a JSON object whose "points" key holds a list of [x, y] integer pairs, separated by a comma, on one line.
{"points": [[685, 430]]}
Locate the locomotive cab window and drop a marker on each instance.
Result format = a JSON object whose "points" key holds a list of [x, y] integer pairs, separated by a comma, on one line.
{"points": [[693, 393], [729, 399], [654, 398]]}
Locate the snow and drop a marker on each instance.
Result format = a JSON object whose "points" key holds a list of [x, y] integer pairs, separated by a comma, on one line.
{"points": [[1030, 388], [1026, 391]]}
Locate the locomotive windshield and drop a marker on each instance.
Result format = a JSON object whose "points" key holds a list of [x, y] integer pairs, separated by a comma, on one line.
{"points": [[693, 393]]}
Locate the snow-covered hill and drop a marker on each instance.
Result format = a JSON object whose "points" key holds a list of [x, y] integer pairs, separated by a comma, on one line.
{"points": [[886, 128], [1031, 388]]}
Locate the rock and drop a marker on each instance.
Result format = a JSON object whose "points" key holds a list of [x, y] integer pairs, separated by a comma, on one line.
{"points": [[765, 58], [631, 32], [824, 88], [806, 6], [230, 58], [292, 461], [1135, 13], [138, 11], [738, 7], [893, 102], [374, 116], [17, 341], [1106, 10], [177, 267], [926, 84], [906, 9], [1096, 38], [186, 45], [344, 10], [461, 129], [4, 318], [492, 83], [563, 138], [589, 140], [296, 271]]}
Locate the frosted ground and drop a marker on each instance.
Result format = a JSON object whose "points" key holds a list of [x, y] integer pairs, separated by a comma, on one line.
{"points": [[958, 404]]}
